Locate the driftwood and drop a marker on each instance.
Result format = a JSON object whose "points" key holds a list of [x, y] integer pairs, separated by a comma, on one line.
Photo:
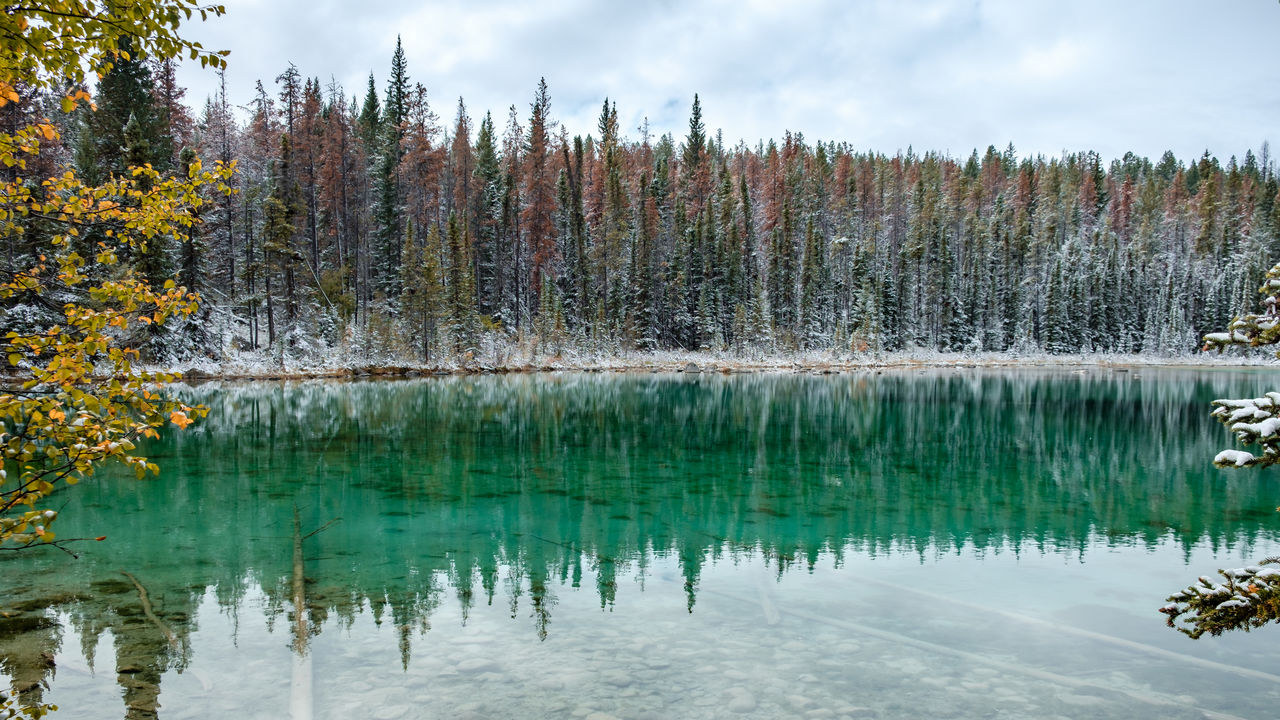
{"points": [[301, 692], [149, 612], [299, 586], [299, 594]]}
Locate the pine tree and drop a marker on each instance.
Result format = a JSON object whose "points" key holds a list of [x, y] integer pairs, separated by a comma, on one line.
{"points": [[464, 325], [290, 82], [280, 216], [152, 260], [687, 243], [461, 166], [641, 291], [422, 278], [1249, 597], [127, 91], [813, 281], [539, 192], [488, 219], [218, 128], [695, 173], [388, 212], [397, 91], [616, 233], [172, 113], [370, 120], [578, 274], [513, 264]]}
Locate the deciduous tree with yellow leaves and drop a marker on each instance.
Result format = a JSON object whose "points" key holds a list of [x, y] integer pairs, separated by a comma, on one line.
{"points": [[70, 397]]}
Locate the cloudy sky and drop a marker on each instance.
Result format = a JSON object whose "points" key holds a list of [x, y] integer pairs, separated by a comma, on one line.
{"points": [[950, 75]]}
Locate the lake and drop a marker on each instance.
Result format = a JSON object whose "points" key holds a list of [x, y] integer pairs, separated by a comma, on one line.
{"points": [[916, 543]]}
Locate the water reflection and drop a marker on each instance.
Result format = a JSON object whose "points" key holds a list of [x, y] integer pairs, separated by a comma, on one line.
{"points": [[332, 500]]}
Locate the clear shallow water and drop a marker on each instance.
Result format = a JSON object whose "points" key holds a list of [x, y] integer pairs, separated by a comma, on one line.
{"points": [[915, 544]]}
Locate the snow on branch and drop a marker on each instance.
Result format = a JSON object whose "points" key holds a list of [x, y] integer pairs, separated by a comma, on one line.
{"points": [[1254, 421], [1250, 598], [1253, 330]]}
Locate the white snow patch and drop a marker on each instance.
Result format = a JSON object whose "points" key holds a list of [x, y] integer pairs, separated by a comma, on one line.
{"points": [[1239, 458]]}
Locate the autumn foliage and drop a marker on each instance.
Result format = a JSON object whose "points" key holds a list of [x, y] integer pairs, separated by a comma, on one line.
{"points": [[70, 396]]}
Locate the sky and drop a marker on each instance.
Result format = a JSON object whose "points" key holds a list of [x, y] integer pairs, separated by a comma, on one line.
{"points": [[1112, 76]]}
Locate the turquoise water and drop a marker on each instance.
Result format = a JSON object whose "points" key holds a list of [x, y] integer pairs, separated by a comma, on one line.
{"points": [[909, 544]]}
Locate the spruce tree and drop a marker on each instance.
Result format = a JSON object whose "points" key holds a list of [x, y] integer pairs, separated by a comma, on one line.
{"points": [[1247, 597], [464, 325], [488, 213], [422, 278], [127, 91], [388, 212], [641, 311], [539, 194], [370, 120], [577, 263]]}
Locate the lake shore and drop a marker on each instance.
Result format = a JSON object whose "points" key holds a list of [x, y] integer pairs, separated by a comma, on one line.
{"points": [[700, 362]]}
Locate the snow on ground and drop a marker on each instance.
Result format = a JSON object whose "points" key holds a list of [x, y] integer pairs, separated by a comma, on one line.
{"points": [[266, 365]]}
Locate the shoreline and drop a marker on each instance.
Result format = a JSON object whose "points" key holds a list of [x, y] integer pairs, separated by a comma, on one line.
{"points": [[814, 364]]}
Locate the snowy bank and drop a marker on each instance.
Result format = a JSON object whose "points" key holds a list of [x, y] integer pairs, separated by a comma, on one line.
{"points": [[262, 366]]}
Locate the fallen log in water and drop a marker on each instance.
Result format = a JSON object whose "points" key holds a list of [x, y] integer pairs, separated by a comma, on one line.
{"points": [[150, 613], [301, 694]]}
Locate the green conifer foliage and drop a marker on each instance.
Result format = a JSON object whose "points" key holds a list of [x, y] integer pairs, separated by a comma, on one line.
{"points": [[1250, 596], [464, 324], [125, 93]]}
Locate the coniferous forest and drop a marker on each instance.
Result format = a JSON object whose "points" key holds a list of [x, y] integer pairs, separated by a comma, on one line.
{"points": [[395, 228]]}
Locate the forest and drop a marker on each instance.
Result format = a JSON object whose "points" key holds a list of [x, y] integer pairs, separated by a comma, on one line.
{"points": [[374, 228]]}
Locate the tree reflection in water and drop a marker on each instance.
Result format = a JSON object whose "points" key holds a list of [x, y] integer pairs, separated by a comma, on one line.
{"points": [[507, 490]]}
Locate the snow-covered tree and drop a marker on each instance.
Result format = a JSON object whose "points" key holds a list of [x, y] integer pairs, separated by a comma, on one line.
{"points": [[1250, 596], [1253, 420]]}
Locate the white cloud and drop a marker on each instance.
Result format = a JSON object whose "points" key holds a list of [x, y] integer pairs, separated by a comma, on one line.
{"points": [[942, 74], [1045, 64]]}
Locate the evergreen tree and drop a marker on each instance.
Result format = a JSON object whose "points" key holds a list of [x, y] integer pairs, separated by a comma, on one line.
{"points": [[813, 281], [695, 173], [488, 214], [539, 193], [464, 325], [641, 311], [686, 244], [1249, 597], [370, 121], [388, 212], [424, 293], [577, 263], [397, 107], [127, 91]]}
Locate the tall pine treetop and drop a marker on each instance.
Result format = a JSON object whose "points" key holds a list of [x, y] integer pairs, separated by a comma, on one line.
{"points": [[397, 87], [370, 115], [697, 140]]}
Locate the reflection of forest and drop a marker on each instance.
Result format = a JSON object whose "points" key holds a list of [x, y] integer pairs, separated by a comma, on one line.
{"points": [[497, 490]]}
